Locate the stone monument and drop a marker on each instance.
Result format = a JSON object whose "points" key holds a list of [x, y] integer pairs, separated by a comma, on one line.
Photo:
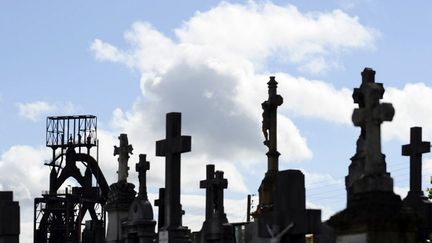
{"points": [[140, 226], [374, 213], [9, 218], [171, 148], [215, 227], [121, 194], [416, 198], [160, 203], [282, 199]]}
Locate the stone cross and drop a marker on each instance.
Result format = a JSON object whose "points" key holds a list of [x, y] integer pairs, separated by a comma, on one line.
{"points": [[369, 116], [415, 150], [220, 184], [208, 184], [123, 151], [171, 148], [160, 203], [142, 167], [269, 123]]}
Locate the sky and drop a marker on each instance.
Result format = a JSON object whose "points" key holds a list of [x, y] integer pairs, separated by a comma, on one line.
{"points": [[131, 63]]}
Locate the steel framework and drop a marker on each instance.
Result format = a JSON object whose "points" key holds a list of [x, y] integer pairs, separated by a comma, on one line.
{"points": [[58, 215]]}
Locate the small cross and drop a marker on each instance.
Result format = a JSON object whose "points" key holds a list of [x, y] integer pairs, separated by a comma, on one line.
{"points": [[160, 203], [415, 150], [142, 167], [208, 184], [221, 183]]}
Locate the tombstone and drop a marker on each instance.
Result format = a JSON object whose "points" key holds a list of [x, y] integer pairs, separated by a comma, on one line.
{"points": [[121, 194], [215, 227], [171, 148], [9, 218], [94, 232], [140, 226], [374, 213], [282, 200], [160, 203], [415, 197]]}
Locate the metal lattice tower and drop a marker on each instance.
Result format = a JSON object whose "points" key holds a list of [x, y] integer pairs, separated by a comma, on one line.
{"points": [[58, 215]]}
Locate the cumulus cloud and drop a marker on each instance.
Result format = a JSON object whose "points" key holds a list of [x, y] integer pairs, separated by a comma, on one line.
{"points": [[213, 65], [35, 111], [412, 105], [27, 181], [213, 71]]}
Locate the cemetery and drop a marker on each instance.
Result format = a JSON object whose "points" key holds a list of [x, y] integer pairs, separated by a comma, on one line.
{"points": [[121, 212]]}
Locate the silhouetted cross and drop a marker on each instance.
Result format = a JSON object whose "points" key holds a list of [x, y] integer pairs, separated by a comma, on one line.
{"points": [[221, 183], [160, 203], [171, 148], [369, 117], [142, 167], [415, 150], [208, 184]]}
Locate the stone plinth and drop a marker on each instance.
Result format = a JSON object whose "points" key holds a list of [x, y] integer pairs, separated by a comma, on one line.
{"points": [[289, 207], [378, 216], [9, 218], [119, 200]]}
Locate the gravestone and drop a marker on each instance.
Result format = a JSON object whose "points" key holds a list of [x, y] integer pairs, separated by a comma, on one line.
{"points": [[415, 197], [160, 203], [171, 148], [282, 202], [121, 194], [9, 218], [374, 213], [140, 226], [215, 227]]}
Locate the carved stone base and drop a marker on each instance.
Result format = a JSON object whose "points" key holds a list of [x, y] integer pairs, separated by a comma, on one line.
{"points": [[375, 217], [120, 197], [368, 183], [177, 235]]}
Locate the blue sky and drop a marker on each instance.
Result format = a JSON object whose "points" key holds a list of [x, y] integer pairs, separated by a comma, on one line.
{"points": [[131, 63]]}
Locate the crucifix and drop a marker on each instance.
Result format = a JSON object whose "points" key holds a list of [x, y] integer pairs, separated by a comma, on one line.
{"points": [[123, 151], [171, 148], [369, 116], [415, 150], [142, 167], [269, 124]]}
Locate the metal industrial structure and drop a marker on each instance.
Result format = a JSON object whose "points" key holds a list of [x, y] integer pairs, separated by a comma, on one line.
{"points": [[59, 213]]}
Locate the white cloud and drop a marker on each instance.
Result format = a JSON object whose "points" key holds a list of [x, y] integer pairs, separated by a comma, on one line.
{"points": [[29, 178], [412, 105], [209, 74], [35, 111], [213, 71]]}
